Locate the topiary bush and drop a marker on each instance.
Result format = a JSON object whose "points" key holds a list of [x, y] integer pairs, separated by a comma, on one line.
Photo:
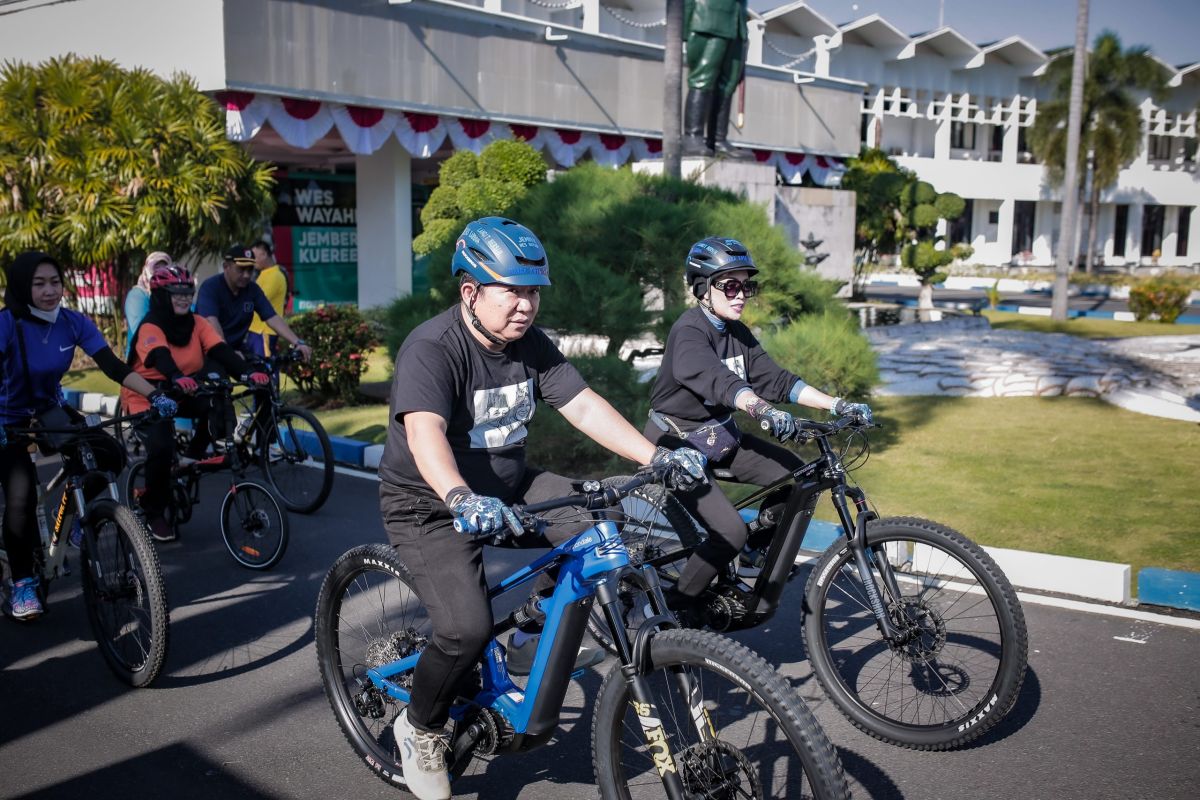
{"points": [[1163, 298], [827, 351], [555, 445], [341, 339]]}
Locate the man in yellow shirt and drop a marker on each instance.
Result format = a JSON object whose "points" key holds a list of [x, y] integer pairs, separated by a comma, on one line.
{"points": [[271, 279]]}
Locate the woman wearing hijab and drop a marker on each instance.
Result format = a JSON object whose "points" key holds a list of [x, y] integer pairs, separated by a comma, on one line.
{"points": [[137, 302], [170, 346], [38, 338]]}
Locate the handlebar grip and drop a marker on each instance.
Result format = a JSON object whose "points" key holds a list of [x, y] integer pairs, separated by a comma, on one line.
{"points": [[461, 525], [764, 425]]}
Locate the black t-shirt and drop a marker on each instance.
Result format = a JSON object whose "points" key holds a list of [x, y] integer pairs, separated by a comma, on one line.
{"points": [[486, 398], [703, 369]]}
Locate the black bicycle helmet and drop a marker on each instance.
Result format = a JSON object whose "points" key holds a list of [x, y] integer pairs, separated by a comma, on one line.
{"points": [[709, 257]]}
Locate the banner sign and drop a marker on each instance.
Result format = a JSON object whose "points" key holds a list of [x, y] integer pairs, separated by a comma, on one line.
{"points": [[316, 238]]}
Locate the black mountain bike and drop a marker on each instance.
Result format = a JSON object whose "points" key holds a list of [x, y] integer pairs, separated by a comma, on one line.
{"points": [[122, 579], [288, 442], [688, 714], [911, 628], [253, 518]]}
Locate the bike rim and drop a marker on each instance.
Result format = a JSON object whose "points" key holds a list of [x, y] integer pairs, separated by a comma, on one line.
{"points": [[375, 619], [121, 599], [746, 754], [253, 526], [951, 665], [292, 463]]}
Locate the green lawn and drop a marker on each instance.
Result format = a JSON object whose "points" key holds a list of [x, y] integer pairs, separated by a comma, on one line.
{"points": [[1087, 327], [1069, 476]]}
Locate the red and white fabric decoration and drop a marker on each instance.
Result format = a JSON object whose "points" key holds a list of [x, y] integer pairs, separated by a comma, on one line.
{"points": [[532, 135], [473, 134], [825, 171], [644, 148], [301, 123], [364, 129], [567, 147], [610, 149], [245, 113], [421, 134], [791, 166]]}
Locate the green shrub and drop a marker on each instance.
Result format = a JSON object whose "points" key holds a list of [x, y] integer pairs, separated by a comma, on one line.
{"points": [[402, 315], [437, 234], [925, 216], [555, 445], [341, 339], [459, 168], [1162, 298], [513, 161], [828, 352], [949, 205], [442, 204]]}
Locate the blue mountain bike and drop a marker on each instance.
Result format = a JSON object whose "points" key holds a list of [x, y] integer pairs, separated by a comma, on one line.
{"points": [[682, 714]]}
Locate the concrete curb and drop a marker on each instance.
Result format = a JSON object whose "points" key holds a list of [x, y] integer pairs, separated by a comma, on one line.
{"points": [[1094, 580]]}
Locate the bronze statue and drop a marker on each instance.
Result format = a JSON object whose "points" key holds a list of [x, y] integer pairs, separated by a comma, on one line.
{"points": [[715, 32]]}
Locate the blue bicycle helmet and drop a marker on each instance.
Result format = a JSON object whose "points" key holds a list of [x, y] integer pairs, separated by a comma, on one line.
{"points": [[709, 257], [498, 250]]}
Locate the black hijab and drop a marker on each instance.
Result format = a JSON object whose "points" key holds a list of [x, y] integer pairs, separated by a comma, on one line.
{"points": [[18, 288], [177, 327]]}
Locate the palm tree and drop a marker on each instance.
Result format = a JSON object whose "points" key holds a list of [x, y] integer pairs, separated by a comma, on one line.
{"points": [[1111, 124], [100, 165]]}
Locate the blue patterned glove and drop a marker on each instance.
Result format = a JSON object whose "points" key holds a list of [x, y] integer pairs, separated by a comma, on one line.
{"points": [[164, 407], [841, 408], [479, 515], [687, 466], [780, 424], [3, 436]]}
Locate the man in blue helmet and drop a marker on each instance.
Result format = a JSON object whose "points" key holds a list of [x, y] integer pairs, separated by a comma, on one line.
{"points": [[466, 385]]}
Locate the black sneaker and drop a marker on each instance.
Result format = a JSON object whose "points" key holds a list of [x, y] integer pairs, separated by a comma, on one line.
{"points": [[520, 656], [160, 529]]}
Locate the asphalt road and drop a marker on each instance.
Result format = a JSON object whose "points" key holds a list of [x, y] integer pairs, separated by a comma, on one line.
{"points": [[239, 711]]}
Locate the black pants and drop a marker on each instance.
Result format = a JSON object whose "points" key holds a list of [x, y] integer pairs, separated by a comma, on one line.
{"points": [[18, 475], [158, 437], [447, 568], [756, 461]]}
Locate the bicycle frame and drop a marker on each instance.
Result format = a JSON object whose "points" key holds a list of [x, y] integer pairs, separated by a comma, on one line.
{"points": [[590, 565], [823, 474]]}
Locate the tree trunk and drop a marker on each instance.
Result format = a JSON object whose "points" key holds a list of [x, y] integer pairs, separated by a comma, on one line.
{"points": [[925, 302], [1094, 214], [1085, 234], [673, 90], [1066, 239]]}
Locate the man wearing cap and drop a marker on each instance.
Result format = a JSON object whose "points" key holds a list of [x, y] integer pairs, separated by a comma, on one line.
{"points": [[230, 300]]}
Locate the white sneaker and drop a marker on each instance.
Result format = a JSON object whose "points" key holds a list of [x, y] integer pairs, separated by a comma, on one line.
{"points": [[423, 757]]}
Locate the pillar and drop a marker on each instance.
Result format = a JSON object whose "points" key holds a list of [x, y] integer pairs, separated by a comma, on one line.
{"points": [[384, 202]]}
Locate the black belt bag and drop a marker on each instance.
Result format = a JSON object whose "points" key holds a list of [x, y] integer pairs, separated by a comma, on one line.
{"points": [[716, 439]]}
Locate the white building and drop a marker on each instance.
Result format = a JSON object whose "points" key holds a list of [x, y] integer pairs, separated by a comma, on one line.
{"points": [[956, 113]]}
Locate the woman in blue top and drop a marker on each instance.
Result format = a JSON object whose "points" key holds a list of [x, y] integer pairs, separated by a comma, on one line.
{"points": [[38, 338], [137, 302]]}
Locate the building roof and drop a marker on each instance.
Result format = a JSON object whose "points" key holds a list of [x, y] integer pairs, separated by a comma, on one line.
{"points": [[1189, 72], [798, 18], [949, 44], [874, 31], [1016, 51]]}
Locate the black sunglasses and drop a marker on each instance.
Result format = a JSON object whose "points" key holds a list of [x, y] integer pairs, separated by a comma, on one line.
{"points": [[731, 286]]}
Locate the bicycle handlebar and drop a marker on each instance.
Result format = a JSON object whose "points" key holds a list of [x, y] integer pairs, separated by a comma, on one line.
{"points": [[591, 498], [808, 428]]}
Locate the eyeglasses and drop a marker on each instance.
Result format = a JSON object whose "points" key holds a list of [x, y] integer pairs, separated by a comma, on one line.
{"points": [[732, 286]]}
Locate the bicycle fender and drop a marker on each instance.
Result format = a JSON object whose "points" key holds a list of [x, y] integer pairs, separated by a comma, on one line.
{"points": [[641, 639]]}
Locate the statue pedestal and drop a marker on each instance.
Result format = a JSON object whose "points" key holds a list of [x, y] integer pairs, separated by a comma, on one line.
{"points": [[754, 181]]}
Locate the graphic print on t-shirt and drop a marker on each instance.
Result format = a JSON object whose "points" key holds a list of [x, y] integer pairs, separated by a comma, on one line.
{"points": [[737, 365], [501, 414]]}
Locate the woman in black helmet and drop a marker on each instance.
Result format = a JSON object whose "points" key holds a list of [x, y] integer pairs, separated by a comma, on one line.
{"points": [[713, 366]]}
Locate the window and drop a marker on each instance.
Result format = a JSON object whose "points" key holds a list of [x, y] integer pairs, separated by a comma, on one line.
{"points": [[960, 229], [1160, 148], [866, 126], [1152, 230], [996, 148], [993, 218], [1182, 230], [962, 135], [1120, 230], [1023, 153], [1023, 215]]}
